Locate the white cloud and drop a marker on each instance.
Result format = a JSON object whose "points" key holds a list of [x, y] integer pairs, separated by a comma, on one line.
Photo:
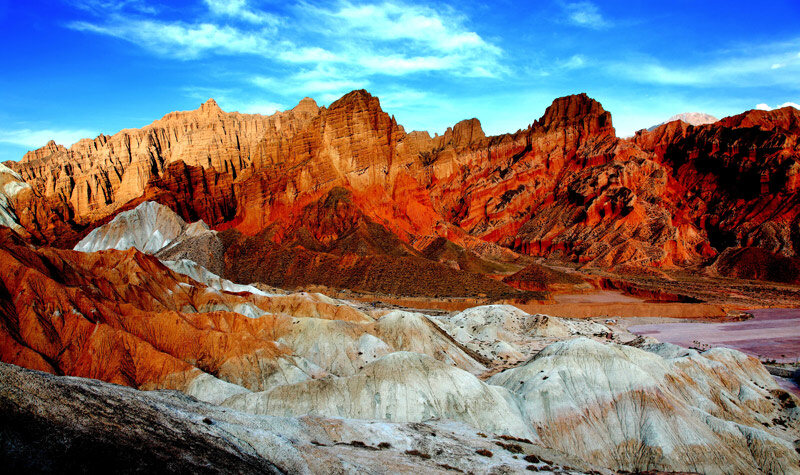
{"points": [[389, 38], [326, 49], [398, 65], [325, 83], [240, 10], [178, 39], [102, 7], [575, 62], [39, 138], [419, 38], [773, 67], [765, 107], [585, 14], [312, 54], [416, 23]]}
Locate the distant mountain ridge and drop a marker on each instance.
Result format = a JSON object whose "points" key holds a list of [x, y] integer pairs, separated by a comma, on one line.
{"points": [[325, 192], [691, 118]]}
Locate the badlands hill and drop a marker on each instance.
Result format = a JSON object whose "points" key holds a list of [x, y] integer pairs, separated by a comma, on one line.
{"points": [[324, 193], [143, 325], [309, 383]]}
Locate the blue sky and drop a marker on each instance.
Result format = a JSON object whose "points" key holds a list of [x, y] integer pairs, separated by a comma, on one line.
{"points": [[77, 68]]}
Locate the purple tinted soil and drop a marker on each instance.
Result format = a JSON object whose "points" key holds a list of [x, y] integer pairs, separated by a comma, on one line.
{"points": [[773, 334]]}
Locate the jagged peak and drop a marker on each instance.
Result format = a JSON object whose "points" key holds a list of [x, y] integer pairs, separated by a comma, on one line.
{"points": [[785, 118], [307, 105], [465, 133], [210, 106], [573, 109], [50, 148], [353, 97]]}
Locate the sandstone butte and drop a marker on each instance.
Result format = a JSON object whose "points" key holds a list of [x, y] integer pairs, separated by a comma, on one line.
{"points": [[346, 187]]}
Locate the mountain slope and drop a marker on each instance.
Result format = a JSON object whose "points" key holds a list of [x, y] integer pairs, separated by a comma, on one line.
{"points": [[565, 187], [691, 118]]}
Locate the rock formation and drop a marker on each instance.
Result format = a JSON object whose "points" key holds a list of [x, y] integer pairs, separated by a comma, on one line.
{"points": [[180, 227], [691, 118], [155, 229], [737, 178], [10, 185], [655, 407], [58, 424], [124, 317], [564, 187]]}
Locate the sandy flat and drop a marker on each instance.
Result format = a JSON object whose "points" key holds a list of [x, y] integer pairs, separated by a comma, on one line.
{"points": [[627, 310], [771, 334], [602, 296]]}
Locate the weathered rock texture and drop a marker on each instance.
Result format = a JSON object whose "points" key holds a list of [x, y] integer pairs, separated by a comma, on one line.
{"points": [[564, 187], [691, 118], [660, 408], [124, 317], [52, 424], [738, 178], [10, 185]]}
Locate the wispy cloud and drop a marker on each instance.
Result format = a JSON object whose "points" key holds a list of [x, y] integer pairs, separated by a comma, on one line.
{"points": [[240, 10], [325, 83], [755, 67], [102, 7], [323, 50], [765, 107], [576, 61], [585, 14], [181, 40], [389, 38], [38, 138], [419, 24], [309, 84]]}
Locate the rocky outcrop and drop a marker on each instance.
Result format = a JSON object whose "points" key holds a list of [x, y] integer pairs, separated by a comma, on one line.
{"points": [[61, 424], [10, 185], [97, 176], [691, 118], [543, 278], [738, 177], [149, 228], [330, 243], [154, 229], [333, 242], [757, 264], [565, 187], [660, 409], [438, 391], [123, 317], [504, 335], [656, 407]]}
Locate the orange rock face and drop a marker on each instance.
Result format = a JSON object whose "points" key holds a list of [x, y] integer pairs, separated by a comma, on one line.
{"points": [[564, 187], [95, 177], [123, 317], [739, 178]]}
